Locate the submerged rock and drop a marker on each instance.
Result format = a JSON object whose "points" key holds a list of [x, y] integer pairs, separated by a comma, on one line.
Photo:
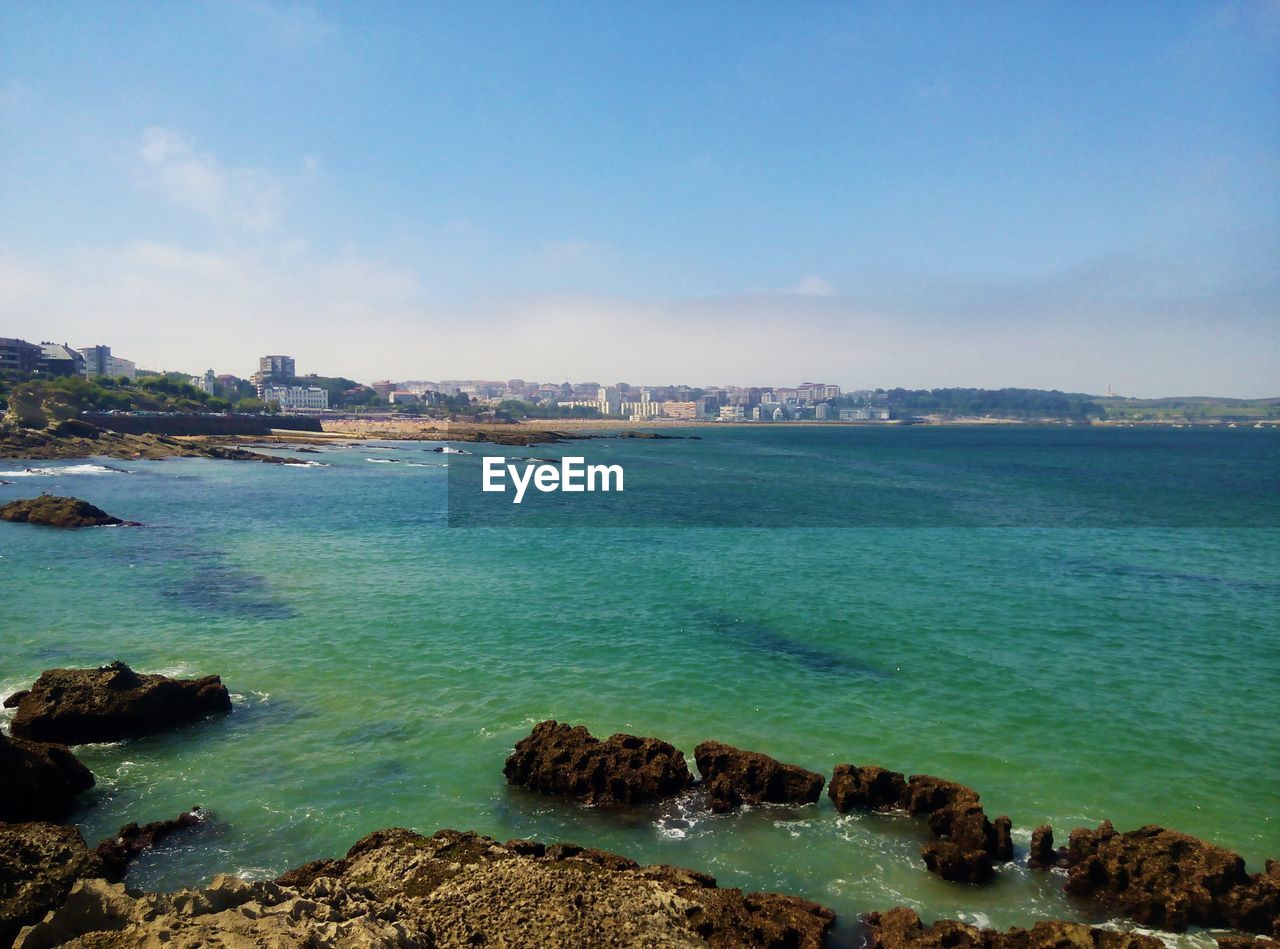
{"points": [[1170, 880], [75, 706], [132, 841], [901, 928], [39, 863], [40, 780], [735, 777], [623, 769], [52, 511], [398, 888], [969, 844]]}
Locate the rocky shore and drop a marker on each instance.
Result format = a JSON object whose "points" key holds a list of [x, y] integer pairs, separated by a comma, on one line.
{"points": [[75, 439], [396, 887]]}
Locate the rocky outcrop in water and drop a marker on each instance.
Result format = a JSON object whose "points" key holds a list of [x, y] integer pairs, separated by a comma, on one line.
{"points": [[1042, 855], [734, 777], [75, 706], [1170, 880], [52, 511], [901, 928], [623, 769], [40, 780], [398, 888], [969, 844], [39, 864], [131, 841]]}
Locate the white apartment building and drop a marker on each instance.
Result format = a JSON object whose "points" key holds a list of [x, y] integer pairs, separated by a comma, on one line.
{"points": [[297, 400]]}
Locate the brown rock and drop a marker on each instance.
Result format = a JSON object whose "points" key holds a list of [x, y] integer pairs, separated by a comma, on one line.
{"points": [[901, 928], [52, 511], [38, 864], [40, 781], [1042, 855], [126, 846], [1169, 880], [866, 788], [622, 769], [736, 777], [13, 700], [398, 888], [76, 706], [926, 794], [958, 863]]}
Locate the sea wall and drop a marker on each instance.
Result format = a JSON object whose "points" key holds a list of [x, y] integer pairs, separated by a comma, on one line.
{"points": [[201, 424]]}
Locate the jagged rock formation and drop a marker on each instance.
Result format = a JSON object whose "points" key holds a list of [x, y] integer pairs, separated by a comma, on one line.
{"points": [[131, 841], [398, 888], [52, 511], [39, 780], [1042, 855], [39, 863], [1169, 880], [968, 845], [734, 777], [901, 928], [623, 769], [75, 706]]}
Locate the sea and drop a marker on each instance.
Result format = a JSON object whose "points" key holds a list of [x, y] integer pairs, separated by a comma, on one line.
{"points": [[1081, 623]]}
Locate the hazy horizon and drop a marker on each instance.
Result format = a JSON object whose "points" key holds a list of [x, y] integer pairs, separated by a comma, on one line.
{"points": [[1059, 197]]}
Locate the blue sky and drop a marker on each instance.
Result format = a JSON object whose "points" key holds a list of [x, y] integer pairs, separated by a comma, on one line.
{"points": [[1061, 195]]}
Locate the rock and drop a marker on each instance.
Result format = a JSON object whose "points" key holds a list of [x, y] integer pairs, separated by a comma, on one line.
{"points": [[39, 863], [1237, 941], [40, 780], [13, 700], [76, 706], [398, 888], [969, 844], [734, 777], [131, 841], [623, 769], [74, 428], [901, 928], [866, 788], [958, 863], [1169, 880], [52, 511], [1042, 855], [926, 794]]}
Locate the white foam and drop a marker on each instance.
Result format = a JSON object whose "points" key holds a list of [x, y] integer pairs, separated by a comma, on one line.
{"points": [[53, 472], [383, 461]]}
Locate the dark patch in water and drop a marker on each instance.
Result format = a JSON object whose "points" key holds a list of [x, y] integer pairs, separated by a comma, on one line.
{"points": [[765, 639], [1177, 576], [213, 586], [377, 731]]}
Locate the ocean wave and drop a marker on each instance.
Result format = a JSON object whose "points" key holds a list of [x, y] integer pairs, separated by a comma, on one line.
{"points": [[54, 471], [383, 461]]}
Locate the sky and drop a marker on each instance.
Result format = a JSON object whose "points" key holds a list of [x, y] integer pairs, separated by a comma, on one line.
{"points": [[1074, 195]]}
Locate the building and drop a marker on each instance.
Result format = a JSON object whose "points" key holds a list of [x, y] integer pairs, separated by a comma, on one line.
{"points": [[733, 413], [17, 356], [680, 409], [98, 361], [277, 367], [297, 400], [863, 413], [404, 398], [59, 359], [822, 411]]}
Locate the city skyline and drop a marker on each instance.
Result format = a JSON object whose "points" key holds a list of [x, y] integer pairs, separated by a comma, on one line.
{"points": [[1061, 197]]}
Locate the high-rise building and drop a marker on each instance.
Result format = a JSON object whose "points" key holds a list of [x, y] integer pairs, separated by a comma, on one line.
{"points": [[278, 367], [98, 361]]}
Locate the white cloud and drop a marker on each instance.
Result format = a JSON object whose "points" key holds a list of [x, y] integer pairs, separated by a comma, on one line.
{"points": [[811, 285], [242, 198]]}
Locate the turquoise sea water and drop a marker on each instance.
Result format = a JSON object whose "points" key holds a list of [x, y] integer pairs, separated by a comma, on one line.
{"points": [[384, 663]]}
